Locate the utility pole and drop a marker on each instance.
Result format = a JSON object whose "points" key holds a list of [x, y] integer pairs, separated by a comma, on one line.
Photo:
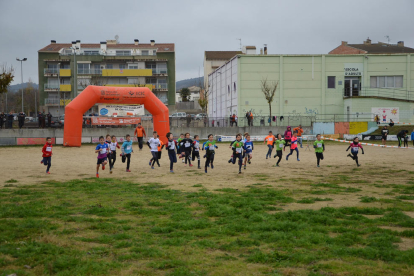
{"points": [[58, 69], [21, 67]]}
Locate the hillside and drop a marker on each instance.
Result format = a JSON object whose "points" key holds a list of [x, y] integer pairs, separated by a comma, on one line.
{"points": [[189, 82], [17, 87]]}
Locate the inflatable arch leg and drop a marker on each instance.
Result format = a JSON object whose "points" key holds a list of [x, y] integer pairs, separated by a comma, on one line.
{"points": [[74, 111]]}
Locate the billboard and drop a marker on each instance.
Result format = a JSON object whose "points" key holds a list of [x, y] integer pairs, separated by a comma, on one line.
{"points": [[121, 110], [114, 121], [386, 113]]}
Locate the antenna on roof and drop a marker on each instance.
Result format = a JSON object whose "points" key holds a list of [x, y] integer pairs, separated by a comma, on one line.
{"points": [[240, 43], [387, 37]]}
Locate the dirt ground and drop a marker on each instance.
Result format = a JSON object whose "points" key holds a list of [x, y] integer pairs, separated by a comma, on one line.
{"points": [[23, 165]]}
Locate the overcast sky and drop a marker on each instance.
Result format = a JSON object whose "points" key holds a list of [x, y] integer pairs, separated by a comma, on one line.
{"points": [[287, 27]]}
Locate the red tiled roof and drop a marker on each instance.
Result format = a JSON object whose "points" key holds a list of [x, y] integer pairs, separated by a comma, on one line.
{"points": [[382, 48], [221, 55], [161, 47]]}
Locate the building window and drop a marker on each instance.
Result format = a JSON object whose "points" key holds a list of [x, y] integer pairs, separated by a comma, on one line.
{"points": [[122, 66], [109, 66], [133, 66], [83, 68], [123, 53], [228, 89], [145, 52], [92, 53], [234, 87], [331, 81], [386, 82]]}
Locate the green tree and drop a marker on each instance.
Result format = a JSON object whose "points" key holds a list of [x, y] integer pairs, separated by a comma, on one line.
{"points": [[6, 77], [203, 100], [269, 90], [185, 94]]}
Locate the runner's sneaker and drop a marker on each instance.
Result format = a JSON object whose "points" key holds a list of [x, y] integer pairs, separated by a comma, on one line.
{"points": [[97, 175], [103, 167]]}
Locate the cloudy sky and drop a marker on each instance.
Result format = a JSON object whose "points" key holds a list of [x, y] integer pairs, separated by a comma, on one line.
{"points": [[288, 27]]}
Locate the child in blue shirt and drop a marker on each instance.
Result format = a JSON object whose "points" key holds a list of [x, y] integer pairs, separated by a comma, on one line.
{"points": [[102, 149], [412, 136], [248, 147], [126, 151]]}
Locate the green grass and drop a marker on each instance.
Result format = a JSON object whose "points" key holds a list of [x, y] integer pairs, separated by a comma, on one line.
{"points": [[109, 227]]}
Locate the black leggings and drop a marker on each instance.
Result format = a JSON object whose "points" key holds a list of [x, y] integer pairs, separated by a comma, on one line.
{"points": [[154, 158], [112, 159], [319, 157], [173, 158], [354, 156], [47, 161], [209, 160], [187, 156], [194, 155], [287, 143], [126, 157], [240, 156], [279, 153]]}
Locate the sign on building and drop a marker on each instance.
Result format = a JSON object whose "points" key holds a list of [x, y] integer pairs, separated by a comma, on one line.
{"points": [[386, 114], [115, 121], [121, 110], [353, 69]]}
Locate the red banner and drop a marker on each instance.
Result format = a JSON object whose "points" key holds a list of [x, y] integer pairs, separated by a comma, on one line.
{"points": [[115, 121]]}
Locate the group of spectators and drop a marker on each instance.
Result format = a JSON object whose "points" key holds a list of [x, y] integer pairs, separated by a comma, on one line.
{"points": [[7, 119]]}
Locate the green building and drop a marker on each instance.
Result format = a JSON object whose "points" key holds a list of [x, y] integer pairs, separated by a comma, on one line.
{"points": [[108, 63], [347, 86]]}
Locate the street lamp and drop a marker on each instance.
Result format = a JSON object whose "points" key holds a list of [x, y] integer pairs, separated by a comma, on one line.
{"points": [[75, 71], [58, 71], [21, 67]]}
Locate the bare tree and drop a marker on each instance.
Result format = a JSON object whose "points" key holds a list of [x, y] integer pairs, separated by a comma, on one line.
{"points": [[269, 90], [203, 100], [6, 77]]}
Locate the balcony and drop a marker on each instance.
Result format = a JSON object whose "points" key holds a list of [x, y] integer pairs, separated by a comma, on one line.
{"points": [[127, 72], [57, 87], [56, 102], [160, 87], [89, 71], [150, 86], [55, 72], [159, 71]]}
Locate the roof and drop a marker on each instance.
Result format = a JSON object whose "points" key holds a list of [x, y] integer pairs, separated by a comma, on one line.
{"points": [[161, 47], [221, 55], [381, 48]]}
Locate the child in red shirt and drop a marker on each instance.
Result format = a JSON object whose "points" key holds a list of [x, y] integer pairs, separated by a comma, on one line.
{"points": [[47, 154], [294, 146]]}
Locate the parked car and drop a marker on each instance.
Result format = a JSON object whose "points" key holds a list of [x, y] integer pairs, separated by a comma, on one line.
{"points": [[178, 115], [61, 119], [55, 123], [200, 116]]}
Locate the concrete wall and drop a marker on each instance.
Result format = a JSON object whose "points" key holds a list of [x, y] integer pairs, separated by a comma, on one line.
{"points": [[11, 136], [323, 128]]}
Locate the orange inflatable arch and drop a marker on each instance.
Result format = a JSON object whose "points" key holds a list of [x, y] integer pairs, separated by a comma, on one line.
{"points": [[72, 134]]}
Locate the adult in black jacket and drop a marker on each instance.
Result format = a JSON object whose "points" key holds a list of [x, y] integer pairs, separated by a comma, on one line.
{"points": [[49, 119], [403, 134], [10, 119], [2, 119], [21, 119]]}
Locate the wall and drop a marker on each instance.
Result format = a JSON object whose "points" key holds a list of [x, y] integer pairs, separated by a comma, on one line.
{"points": [[10, 136], [323, 128]]}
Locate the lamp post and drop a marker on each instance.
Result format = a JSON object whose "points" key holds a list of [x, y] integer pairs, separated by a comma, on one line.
{"points": [[75, 71], [21, 67]]}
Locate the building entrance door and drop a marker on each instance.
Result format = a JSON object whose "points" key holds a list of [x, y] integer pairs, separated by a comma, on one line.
{"points": [[352, 87]]}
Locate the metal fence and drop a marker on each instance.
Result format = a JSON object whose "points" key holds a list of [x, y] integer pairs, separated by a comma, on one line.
{"points": [[392, 93]]}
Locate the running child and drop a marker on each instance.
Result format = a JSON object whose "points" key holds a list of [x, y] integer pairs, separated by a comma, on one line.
{"points": [[412, 136], [354, 146], [248, 147], [108, 139], [112, 156], [270, 140], [179, 146], [160, 147], [126, 151], [319, 147], [287, 137], [171, 145], [238, 151], [47, 154], [279, 148], [233, 149], [210, 147], [293, 146], [187, 145], [102, 149], [153, 144], [196, 150]]}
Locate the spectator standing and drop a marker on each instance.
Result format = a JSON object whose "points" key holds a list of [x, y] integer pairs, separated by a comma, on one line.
{"points": [[188, 120], [299, 131], [43, 119], [2, 119], [39, 119], [140, 134], [10, 119], [21, 119], [49, 119], [251, 118]]}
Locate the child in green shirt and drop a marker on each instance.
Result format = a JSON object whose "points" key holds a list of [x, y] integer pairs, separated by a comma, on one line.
{"points": [[279, 147], [319, 146], [238, 150]]}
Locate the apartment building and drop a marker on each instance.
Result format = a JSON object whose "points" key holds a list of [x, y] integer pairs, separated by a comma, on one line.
{"points": [[66, 69]]}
